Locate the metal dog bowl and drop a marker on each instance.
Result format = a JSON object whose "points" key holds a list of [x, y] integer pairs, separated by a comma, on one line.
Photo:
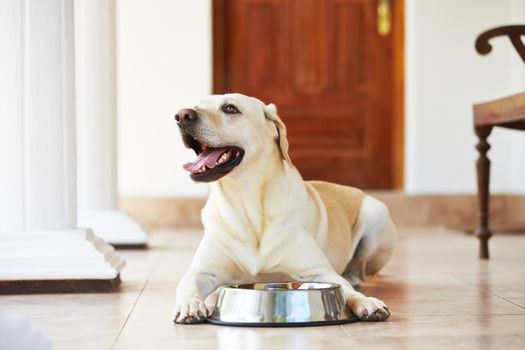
{"points": [[281, 304]]}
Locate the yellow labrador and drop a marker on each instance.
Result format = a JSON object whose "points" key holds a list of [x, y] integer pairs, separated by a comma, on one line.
{"points": [[262, 218]]}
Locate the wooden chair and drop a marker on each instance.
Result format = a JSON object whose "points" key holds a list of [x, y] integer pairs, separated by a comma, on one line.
{"points": [[507, 112]]}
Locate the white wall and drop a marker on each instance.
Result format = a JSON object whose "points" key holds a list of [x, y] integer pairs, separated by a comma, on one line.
{"points": [[444, 77], [164, 63]]}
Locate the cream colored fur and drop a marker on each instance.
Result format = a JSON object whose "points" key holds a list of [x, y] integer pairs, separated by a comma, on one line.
{"points": [[262, 218]]}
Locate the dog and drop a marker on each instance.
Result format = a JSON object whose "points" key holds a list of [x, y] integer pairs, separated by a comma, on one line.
{"points": [[261, 217]]}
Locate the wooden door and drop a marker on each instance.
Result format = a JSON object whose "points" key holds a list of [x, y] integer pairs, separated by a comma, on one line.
{"points": [[331, 75]]}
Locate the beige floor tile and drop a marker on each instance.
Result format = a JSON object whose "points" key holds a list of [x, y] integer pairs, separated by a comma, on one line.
{"points": [[439, 295], [433, 332], [88, 319], [248, 339]]}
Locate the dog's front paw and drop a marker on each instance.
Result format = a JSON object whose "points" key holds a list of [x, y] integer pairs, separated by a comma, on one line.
{"points": [[190, 311], [368, 308]]}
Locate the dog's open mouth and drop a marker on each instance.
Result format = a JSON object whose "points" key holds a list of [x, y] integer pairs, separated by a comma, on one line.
{"points": [[212, 163]]}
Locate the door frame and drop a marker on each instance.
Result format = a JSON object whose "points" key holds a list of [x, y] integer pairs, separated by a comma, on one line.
{"points": [[220, 58]]}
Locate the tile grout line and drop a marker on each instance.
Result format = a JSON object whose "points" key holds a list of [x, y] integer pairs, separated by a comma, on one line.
{"points": [[489, 292], [150, 274], [507, 300], [345, 331]]}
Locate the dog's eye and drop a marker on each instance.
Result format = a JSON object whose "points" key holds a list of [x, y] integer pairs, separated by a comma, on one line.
{"points": [[230, 109]]}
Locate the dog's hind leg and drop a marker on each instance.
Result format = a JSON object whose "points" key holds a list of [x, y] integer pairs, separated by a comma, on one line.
{"points": [[377, 237]]}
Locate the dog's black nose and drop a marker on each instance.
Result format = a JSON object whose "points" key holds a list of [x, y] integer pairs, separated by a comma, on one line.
{"points": [[185, 116]]}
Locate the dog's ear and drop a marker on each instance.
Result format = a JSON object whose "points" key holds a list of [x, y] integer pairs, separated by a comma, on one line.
{"points": [[270, 112]]}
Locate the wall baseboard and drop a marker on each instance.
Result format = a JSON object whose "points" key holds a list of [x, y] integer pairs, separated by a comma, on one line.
{"points": [[507, 212]]}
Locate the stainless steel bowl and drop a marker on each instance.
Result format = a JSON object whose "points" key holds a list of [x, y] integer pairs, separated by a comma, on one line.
{"points": [[281, 304]]}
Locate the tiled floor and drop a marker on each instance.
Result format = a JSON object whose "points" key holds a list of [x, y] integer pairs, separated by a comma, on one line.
{"points": [[440, 294]]}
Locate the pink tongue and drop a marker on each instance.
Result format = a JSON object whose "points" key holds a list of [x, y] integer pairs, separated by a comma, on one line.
{"points": [[209, 158]]}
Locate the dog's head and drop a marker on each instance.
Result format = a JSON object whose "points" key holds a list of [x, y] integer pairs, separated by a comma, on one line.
{"points": [[229, 132]]}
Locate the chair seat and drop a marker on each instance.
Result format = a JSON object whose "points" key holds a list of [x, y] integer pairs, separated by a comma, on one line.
{"points": [[507, 112]]}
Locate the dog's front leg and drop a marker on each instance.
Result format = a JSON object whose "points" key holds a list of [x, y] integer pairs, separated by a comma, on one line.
{"points": [[314, 266], [365, 308], [209, 269]]}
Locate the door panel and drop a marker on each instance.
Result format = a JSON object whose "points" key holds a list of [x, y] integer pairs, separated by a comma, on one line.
{"points": [[328, 71]]}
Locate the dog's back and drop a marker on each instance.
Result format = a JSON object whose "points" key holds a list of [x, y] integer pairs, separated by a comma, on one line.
{"points": [[343, 204]]}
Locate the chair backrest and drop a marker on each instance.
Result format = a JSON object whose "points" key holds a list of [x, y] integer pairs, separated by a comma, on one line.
{"points": [[514, 33]]}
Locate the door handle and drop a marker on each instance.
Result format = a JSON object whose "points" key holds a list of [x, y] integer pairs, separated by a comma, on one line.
{"points": [[384, 17]]}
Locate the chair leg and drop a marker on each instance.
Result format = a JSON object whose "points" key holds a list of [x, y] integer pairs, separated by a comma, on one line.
{"points": [[483, 174]]}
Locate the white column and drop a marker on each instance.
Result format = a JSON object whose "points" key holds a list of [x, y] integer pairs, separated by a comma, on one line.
{"points": [[38, 150], [96, 125]]}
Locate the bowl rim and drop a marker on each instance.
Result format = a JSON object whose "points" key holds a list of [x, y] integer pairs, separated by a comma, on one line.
{"points": [[324, 286]]}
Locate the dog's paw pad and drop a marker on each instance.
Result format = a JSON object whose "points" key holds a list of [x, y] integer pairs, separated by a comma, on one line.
{"points": [[190, 312], [379, 315]]}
